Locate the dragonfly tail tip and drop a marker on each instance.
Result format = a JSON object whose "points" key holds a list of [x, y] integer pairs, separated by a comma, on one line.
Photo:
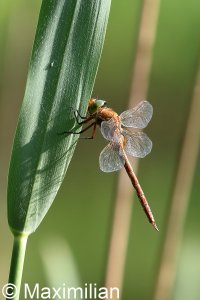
{"points": [[155, 226]]}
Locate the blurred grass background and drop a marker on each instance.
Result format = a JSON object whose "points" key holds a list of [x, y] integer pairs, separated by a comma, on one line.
{"points": [[83, 218]]}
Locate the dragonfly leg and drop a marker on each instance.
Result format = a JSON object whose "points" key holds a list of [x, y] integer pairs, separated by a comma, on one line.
{"points": [[86, 119], [93, 132], [79, 132], [77, 120], [78, 113]]}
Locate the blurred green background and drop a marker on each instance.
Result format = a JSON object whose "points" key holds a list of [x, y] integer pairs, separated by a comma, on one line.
{"points": [[81, 214]]}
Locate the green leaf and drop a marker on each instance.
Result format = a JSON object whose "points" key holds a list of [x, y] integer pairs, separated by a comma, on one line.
{"points": [[64, 62]]}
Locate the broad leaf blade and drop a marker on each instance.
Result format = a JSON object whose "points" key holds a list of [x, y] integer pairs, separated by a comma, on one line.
{"points": [[61, 75]]}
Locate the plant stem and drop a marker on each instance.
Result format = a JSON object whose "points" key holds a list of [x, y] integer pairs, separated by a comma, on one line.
{"points": [[139, 89], [17, 262], [180, 200]]}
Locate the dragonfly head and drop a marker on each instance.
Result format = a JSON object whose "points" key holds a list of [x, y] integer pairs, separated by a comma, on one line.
{"points": [[95, 104]]}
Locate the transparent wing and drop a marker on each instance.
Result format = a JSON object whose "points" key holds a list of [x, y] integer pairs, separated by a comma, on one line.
{"points": [[137, 144], [138, 117], [110, 131], [109, 159]]}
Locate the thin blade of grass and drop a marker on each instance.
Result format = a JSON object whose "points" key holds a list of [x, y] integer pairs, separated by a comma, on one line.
{"points": [[63, 66], [180, 199], [124, 195], [65, 57]]}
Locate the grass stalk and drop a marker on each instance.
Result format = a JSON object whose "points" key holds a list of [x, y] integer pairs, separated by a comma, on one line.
{"points": [[63, 66], [180, 199], [17, 263], [123, 201]]}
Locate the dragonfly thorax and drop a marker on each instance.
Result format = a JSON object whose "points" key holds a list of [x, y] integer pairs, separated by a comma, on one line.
{"points": [[106, 114]]}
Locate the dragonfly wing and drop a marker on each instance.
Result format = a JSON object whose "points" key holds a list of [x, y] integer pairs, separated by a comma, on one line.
{"points": [[137, 144], [138, 117], [110, 131], [110, 160]]}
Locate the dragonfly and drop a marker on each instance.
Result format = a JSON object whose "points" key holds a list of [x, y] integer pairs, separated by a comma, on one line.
{"points": [[122, 141]]}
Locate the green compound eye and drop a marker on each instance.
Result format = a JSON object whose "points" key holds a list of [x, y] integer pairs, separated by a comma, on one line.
{"points": [[95, 105], [100, 103]]}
